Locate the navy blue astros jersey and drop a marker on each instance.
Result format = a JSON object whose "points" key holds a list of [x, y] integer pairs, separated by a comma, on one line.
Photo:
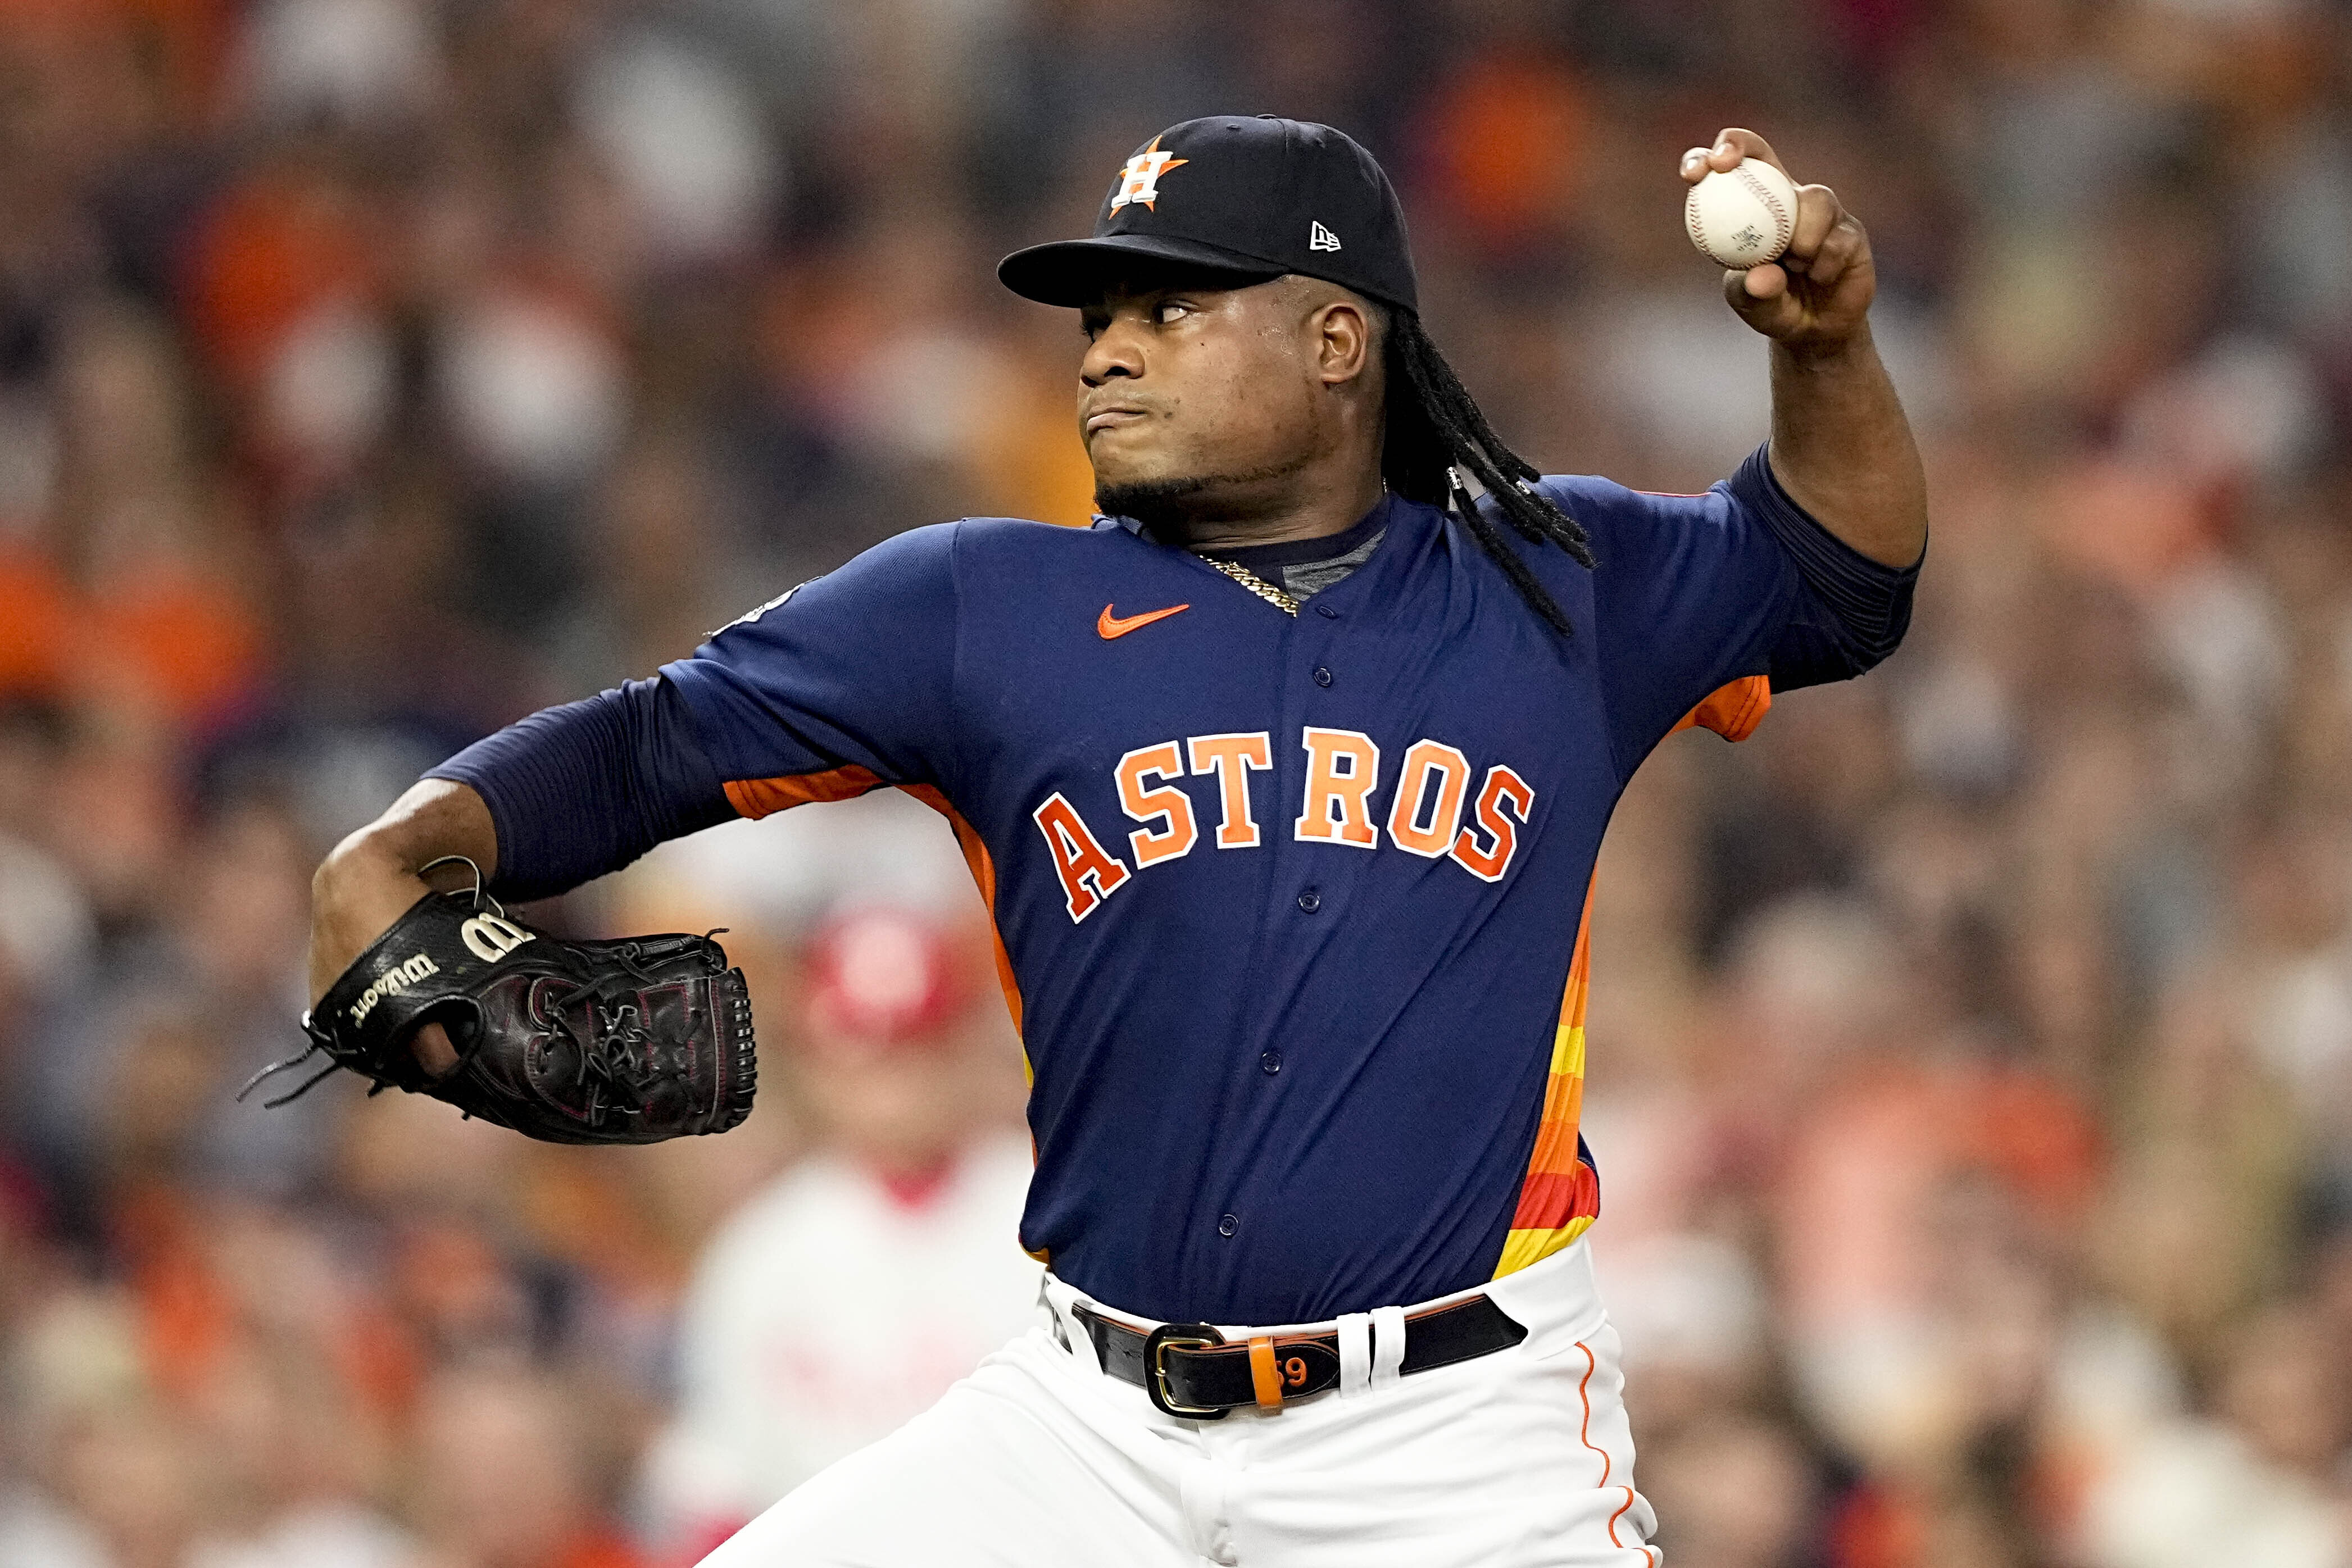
{"points": [[1291, 910]]}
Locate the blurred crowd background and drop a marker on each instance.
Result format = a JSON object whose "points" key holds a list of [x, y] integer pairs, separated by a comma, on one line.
{"points": [[1972, 1063]]}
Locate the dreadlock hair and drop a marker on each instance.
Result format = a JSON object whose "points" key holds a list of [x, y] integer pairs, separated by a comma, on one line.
{"points": [[1436, 430]]}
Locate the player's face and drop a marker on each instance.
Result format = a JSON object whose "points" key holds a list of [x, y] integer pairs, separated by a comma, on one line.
{"points": [[1200, 399]]}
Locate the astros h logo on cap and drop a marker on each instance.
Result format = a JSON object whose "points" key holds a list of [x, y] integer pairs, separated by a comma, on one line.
{"points": [[1139, 180]]}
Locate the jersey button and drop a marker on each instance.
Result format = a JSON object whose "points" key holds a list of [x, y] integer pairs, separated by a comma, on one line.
{"points": [[1228, 1226], [1310, 901], [1326, 612], [1270, 1062], [1322, 676]]}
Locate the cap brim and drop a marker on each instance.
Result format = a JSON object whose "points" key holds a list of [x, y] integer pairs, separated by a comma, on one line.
{"points": [[1073, 272]]}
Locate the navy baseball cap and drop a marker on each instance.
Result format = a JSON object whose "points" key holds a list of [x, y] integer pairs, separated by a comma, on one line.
{"points": [[1250, 197]]}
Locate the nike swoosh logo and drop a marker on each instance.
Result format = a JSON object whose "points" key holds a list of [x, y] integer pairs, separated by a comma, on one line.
{"points": [[1111, 625]]}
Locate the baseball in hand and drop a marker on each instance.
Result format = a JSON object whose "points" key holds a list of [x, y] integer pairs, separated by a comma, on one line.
{"points": [[1742, 217]]}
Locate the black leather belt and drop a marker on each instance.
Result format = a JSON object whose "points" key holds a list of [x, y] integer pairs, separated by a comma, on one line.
{"points": [[1191, 1369]]}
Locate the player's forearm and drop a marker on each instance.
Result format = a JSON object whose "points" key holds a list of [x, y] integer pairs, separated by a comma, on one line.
{"points": [[1844, 451], [371, 878]]}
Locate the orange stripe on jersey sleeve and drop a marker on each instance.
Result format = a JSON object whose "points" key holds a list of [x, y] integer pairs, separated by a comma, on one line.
{"points": [[1732, 710], [757, 798], [1561, 1196], [984, 876]]}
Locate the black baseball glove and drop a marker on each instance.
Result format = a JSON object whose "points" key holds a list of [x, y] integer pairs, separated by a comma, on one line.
{"points": [[573, 1042]]}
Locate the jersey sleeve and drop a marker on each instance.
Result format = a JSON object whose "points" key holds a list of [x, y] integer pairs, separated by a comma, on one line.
{"points": [[1694, 594], [585, 789], [841, 685]]}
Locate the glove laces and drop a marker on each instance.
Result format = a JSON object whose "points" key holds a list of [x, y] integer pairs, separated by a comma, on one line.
{"points": [[481, 897]]}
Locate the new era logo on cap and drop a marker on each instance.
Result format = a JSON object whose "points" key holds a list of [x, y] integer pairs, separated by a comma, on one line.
{"points": [[1320, 238]]}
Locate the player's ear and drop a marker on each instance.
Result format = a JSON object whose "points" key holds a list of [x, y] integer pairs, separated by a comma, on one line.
{"points": [[1343, 341]]}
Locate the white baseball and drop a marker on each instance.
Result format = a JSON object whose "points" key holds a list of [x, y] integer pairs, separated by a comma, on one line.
{"points": [[1742, 217]]}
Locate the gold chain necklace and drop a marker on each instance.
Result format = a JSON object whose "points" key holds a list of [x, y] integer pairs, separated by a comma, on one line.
{"points": [[1255, 584]]}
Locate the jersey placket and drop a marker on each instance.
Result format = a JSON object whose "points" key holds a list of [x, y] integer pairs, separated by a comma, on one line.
{"points": [[1299, 904]]}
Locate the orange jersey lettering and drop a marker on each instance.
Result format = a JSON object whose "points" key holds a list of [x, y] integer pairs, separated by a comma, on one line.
{"points": [[1425, 815], [1231, 758], [1343, 767], [1089, 872], [1167, 804], [1505, 791]]}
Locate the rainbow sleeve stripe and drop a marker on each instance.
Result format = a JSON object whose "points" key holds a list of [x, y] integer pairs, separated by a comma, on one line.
{"points": [[1562, 1196]]}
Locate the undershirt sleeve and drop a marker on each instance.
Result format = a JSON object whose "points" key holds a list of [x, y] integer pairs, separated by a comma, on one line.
{"points": [[1855, 610], [582, 789]]}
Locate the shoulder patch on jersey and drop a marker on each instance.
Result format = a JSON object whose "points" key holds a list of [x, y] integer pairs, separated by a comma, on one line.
{"points": [[752, 615]]}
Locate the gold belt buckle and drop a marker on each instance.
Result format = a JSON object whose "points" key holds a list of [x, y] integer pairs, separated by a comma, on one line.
{"points": [[1161, 1340]]}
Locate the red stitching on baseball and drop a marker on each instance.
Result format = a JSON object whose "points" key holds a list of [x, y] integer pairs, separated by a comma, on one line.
{"points": [[1783, 220]]}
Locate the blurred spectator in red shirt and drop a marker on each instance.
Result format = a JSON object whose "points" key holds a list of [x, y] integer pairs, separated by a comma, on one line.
{"points": [[851, 1293]]}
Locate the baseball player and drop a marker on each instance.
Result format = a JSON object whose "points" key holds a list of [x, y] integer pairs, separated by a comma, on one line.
{"points": [[1284, 783]]}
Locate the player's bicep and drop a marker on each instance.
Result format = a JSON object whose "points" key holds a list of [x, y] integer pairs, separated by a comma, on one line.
{"points": [[840, 687], [1690, 594]]}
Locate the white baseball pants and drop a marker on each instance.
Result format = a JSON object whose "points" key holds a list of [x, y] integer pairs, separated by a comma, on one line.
{"points": [[1515, 1460]]}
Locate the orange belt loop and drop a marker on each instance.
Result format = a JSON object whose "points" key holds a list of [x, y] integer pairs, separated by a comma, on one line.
{"points": [[1264, 1380]]}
